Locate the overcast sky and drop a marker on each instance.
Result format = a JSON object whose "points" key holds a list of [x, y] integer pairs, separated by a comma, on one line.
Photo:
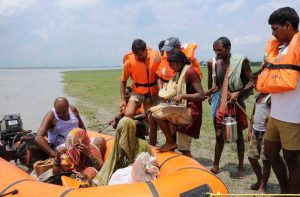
{"points": [[99, 33]]}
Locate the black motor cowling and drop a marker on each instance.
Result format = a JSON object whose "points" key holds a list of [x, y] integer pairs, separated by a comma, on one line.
{"points": [[11, 128]]}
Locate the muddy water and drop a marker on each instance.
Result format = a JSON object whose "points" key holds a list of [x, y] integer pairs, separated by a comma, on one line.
{"points": [[30, 92]]}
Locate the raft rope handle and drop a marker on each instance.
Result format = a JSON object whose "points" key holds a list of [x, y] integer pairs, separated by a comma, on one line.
{"points": [[105, 125], [101, 130], [208, 194], [97, 125], [15, 191]]}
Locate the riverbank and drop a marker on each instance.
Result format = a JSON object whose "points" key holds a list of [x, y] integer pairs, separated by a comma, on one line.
{"points": [[97, 95]]}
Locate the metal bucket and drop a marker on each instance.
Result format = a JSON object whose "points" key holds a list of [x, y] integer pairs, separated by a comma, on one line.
{"points": [[230, 132]]}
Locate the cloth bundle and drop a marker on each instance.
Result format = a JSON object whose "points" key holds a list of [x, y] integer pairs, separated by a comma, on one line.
{"points": [[42, 166], [176, 85], [175, 113]]}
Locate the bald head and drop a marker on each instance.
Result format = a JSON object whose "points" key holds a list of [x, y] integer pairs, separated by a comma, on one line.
{"points": [[61, 101], [61, 105]]}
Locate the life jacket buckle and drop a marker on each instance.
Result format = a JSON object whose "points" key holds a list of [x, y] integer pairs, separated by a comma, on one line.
{"points": [[268, 64]]}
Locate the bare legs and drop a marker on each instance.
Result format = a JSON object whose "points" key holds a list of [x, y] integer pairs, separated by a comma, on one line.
{"points": [[257, 170], [153, 126], [131, 108], [292, 159], [291, 183], [261, 174], [272, 150], [219, 148], [218, 151], [240, 151], [170, 143]]}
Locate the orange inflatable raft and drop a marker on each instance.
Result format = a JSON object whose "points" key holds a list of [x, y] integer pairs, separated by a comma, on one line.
{"points": [[179, 176]]}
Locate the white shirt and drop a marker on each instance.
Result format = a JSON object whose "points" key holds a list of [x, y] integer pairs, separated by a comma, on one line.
{"points": [[214, 67], [286, 106]]}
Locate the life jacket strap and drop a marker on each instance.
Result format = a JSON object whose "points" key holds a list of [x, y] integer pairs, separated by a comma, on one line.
{"points": [[163, 80], [281, 66], [148, 85]]}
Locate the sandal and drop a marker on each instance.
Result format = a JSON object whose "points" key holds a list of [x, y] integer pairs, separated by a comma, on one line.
{"points": [[215, 169]]}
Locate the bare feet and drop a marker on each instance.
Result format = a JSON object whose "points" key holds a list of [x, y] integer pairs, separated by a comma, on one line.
{"points": [[240, 174], [167, 147], [262, 189], [255, 186], [215, 169], [186, 153]]}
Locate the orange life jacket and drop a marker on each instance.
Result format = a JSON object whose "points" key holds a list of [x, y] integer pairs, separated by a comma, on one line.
{"points": [[280, 72], [138, 111], [189, 51], [165, 72], [144, 79]]}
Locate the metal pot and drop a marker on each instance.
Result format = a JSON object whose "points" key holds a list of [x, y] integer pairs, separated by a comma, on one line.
{"points": [[230, 132]]}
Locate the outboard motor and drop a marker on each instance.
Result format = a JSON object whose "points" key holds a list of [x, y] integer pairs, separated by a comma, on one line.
{"points": [[11, 129], [14, 140]]}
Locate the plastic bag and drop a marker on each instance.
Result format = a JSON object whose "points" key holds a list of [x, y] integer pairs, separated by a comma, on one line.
{"points": [[145, 168], [121, 176]]}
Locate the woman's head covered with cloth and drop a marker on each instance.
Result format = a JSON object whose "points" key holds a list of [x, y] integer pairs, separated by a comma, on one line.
{"points": [[75, 137], [126, 147], [74, 154]]}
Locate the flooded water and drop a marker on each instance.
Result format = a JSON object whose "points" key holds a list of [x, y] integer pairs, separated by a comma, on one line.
{"points": [[30, 92]]}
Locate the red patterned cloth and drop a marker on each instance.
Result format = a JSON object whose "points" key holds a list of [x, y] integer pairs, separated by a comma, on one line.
{"points": [[229, 109], [224, 92], [193, 129], [79, 136]]}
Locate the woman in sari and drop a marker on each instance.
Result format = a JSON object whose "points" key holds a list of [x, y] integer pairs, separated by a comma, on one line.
{"points": [[79, 153], [126, 147], [185, 91]]}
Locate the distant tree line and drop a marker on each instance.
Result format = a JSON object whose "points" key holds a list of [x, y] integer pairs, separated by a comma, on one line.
{"points": [[252, 63], [256, 63]]}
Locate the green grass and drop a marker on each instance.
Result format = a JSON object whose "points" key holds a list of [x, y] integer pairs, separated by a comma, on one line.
{"points": [[97, 95], [99, 87]]}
